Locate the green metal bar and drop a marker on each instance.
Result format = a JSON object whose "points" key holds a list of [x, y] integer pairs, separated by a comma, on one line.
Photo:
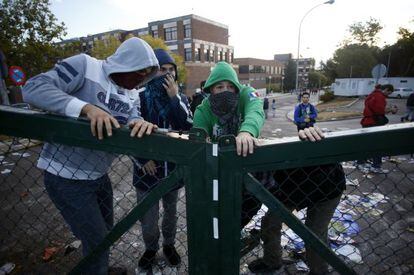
{"points": [[203, 256], [338, 146], [230, 200], [68, 131], [255, 187], [164, 186]]}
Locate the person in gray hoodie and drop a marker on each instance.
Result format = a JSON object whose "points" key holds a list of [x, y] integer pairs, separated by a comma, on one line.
{"points": [[104, 92]]}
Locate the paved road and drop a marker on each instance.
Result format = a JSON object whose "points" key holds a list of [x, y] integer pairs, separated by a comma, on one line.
{"points": [[282, 126]]}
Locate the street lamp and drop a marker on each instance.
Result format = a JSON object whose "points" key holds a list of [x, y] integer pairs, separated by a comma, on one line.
{"points": [[300, 26]]}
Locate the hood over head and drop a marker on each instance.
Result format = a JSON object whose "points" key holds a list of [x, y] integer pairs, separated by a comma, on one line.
{"points": [[221, 72], [132, 55], [165, 58]]}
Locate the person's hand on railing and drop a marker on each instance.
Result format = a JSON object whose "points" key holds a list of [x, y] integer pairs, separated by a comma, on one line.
{"points": [[311, 133], [150, 168], [245, 143], [99, 120], [140, 127]]}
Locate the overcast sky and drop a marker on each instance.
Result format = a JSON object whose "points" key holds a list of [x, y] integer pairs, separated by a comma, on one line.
{"points": [[257, 28]]}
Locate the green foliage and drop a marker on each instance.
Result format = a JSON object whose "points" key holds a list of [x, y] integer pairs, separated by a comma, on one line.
{"points": [[327, 96], [400, 55], [364, 33], [103, 48], [317, 79], [289, 82], [27, 31]]}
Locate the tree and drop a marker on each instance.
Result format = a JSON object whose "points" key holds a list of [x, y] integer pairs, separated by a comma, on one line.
{"points": [[355, 60], [400, 55], [289, 82], [105, 47], [364, 33], [317, 79], [329, 70], [27, 31]]}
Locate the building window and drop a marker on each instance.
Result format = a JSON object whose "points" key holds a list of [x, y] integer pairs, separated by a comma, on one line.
{"points": [[211, 55], [187, 31], [231, 57], [170, 33], [155, 33], [206, 55], [226, 56], [197, 54], [187, 54], [221, 56], [243, 69]]}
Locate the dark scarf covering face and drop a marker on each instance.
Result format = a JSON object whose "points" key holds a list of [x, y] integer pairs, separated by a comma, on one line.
{"points": [[157, 99], [224, 106]]}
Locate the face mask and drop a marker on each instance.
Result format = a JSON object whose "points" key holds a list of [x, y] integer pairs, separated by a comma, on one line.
{"points": [[224, 103]]}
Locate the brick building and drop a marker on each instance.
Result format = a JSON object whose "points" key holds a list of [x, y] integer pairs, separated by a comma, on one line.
{"points": [[200, 41], [260, 73]]}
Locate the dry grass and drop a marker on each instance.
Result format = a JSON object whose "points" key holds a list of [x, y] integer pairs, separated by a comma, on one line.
{"points": [[337, 102], [326, 115]]}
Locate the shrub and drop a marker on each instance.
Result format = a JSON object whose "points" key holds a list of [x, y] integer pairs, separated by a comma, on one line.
{"points": [[327, 96]]}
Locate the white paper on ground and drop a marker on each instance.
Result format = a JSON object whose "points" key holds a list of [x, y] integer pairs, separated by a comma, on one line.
{"points": [[350, 252]]}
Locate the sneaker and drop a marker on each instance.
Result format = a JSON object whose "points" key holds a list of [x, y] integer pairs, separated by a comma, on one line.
{"points": [[259, 266], [147, 259], [376, 170], [171, 255]]}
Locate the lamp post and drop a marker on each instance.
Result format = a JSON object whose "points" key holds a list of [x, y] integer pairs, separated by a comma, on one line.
{"points": [[300, 27]]}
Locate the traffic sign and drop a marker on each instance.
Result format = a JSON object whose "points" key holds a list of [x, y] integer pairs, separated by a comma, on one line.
{"points": [[17, 76]]}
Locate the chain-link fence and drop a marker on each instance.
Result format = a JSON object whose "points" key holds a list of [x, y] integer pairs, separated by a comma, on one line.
{"points": [[35, 237], [369, 215], [370, 224]]}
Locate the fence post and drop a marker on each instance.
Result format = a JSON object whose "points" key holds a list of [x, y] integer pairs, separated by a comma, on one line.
{"points": [[203, 248], [230, 199]]}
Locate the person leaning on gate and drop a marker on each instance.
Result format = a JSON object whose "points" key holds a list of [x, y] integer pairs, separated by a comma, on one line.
{"points": [[231, 109], [103, 91], [375, 108], [317, 188], [163, 105], [305, 113]]}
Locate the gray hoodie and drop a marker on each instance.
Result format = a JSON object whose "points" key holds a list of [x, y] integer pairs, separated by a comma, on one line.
{"points": [[77, 81]]}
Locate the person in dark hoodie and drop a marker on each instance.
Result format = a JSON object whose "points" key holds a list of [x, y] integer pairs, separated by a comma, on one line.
{"points": [[163, 105], [103, 91]]}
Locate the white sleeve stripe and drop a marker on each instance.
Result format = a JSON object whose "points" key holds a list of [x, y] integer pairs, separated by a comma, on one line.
{"points": [[74, 107]]}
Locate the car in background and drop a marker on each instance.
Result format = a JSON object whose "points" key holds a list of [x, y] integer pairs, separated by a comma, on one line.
{"points": [[401, 92]]}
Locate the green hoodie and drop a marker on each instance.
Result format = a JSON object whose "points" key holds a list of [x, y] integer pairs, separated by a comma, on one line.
{"points": [[250, 107]]}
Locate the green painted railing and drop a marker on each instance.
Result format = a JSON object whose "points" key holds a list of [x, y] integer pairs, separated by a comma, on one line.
{"points": [[214, 176]]}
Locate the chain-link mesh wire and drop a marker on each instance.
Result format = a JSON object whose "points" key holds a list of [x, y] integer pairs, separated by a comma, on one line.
{"points": [[370, 225], [37, 240]]}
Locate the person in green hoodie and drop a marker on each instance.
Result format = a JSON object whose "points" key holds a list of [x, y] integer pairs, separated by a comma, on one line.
{"points": [[231, 109]]}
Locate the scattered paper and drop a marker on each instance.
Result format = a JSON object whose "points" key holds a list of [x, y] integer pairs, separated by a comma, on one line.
{"points": [[350, 252], [6, 171], [301, 266]]}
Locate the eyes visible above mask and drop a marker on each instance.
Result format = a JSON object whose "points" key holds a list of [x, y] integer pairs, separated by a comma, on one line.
{"points": [[223, 86]]}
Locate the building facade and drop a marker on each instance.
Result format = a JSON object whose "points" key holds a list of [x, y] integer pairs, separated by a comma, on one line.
{"points": [[260, 73], [305, 66]]}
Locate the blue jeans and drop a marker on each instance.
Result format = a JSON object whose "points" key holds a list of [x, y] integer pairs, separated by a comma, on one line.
{"points": [[87, 206]]}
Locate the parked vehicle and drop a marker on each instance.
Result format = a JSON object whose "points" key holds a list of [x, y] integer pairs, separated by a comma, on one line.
{"points": [[402, 92]]}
